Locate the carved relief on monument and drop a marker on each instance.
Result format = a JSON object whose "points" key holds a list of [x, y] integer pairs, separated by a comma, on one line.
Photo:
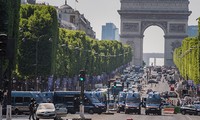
{"points": [[130, 27], [153, 16], [177, 28], [155, 5], [131, 43], [146, 24]]}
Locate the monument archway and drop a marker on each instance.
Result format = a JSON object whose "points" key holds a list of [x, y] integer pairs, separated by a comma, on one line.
{"points": [[137, 15]]}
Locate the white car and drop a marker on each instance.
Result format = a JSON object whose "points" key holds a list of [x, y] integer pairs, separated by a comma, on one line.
{"points": [[46, 111], [61, 110]]}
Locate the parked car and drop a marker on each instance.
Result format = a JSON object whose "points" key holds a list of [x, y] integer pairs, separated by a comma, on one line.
{"points": [[46, 111], [190, 109], [61, 110]]}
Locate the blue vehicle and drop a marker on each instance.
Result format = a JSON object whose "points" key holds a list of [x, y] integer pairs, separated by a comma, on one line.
{"points": [[121, 101], [72, 100], [100, 95], [20, 100], [48, 96], [133, 103], [153, 103]]}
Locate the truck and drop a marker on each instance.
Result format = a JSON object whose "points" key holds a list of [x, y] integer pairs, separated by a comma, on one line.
{"points": [[153, 103], [133, 103]]}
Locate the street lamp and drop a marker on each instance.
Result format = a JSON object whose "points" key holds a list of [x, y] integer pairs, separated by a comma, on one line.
{"points": [[36, 58], [36, 55]]}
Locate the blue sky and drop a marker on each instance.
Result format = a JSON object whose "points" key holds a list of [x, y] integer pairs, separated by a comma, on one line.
{"points": [[99, 12]]}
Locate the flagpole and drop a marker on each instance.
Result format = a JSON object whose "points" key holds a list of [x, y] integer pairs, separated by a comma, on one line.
{"points": [[76, 1], [75, 5]]}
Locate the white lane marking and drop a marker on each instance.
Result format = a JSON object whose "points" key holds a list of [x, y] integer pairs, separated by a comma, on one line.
{"points": [[189, 117]]}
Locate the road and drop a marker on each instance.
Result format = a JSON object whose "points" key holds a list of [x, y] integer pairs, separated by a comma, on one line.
{"points": [[122, 116]]}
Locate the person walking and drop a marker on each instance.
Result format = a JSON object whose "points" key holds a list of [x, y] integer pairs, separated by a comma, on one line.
{"points": [[32, 109]]}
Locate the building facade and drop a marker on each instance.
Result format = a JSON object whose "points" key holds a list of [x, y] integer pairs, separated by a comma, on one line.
{"points": [[109, 32], [71, 19], [192, 31]]}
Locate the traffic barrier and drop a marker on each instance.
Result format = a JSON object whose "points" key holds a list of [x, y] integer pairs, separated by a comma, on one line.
{"points": [[80, 119], [168, 110], [129, 119]]}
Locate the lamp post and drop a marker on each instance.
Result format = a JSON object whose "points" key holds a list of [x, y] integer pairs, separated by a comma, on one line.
{"points": [[36, 59]]}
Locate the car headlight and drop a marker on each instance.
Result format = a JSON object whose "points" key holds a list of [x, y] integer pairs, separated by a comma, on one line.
{"points": [[147, 107], [96, 106]]}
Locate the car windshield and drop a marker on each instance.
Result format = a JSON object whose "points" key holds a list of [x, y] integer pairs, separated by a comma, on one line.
{"points": [[122, 97], [153, 101], [133, 97], [94, 100], [46, 106], [133, 100], [60, 106], [197, 106]]}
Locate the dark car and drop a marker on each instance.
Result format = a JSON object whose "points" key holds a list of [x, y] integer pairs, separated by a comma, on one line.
{"points": [[190, 109], [152, 81], [169, 94]]}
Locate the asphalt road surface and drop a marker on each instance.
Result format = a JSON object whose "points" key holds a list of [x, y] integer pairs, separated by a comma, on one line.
{"points": [[122, 116]]}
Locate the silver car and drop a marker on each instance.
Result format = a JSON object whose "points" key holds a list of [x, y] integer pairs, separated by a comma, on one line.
{"points": [[61, 110], [46, 111]]}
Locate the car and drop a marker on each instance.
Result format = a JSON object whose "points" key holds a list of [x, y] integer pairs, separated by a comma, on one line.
{"points": [[61, 110], [172, 94], [149, 90], [196, 102], [165, 105], [152, 81], [190, 109], [46, 111]]}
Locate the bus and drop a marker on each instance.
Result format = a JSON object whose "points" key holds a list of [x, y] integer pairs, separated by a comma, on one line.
{"points": [[20, 100], [72, 100]]}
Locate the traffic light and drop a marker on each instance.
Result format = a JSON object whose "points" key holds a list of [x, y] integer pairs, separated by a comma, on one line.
{"points": [[3, 44], [82, 75], [115, 84]]}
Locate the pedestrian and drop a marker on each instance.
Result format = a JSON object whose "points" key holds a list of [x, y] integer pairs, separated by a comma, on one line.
{"points": [[178, 102], [32, 109]]}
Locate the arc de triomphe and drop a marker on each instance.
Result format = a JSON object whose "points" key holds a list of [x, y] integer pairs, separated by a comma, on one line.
{"points": [[137, 15]]}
